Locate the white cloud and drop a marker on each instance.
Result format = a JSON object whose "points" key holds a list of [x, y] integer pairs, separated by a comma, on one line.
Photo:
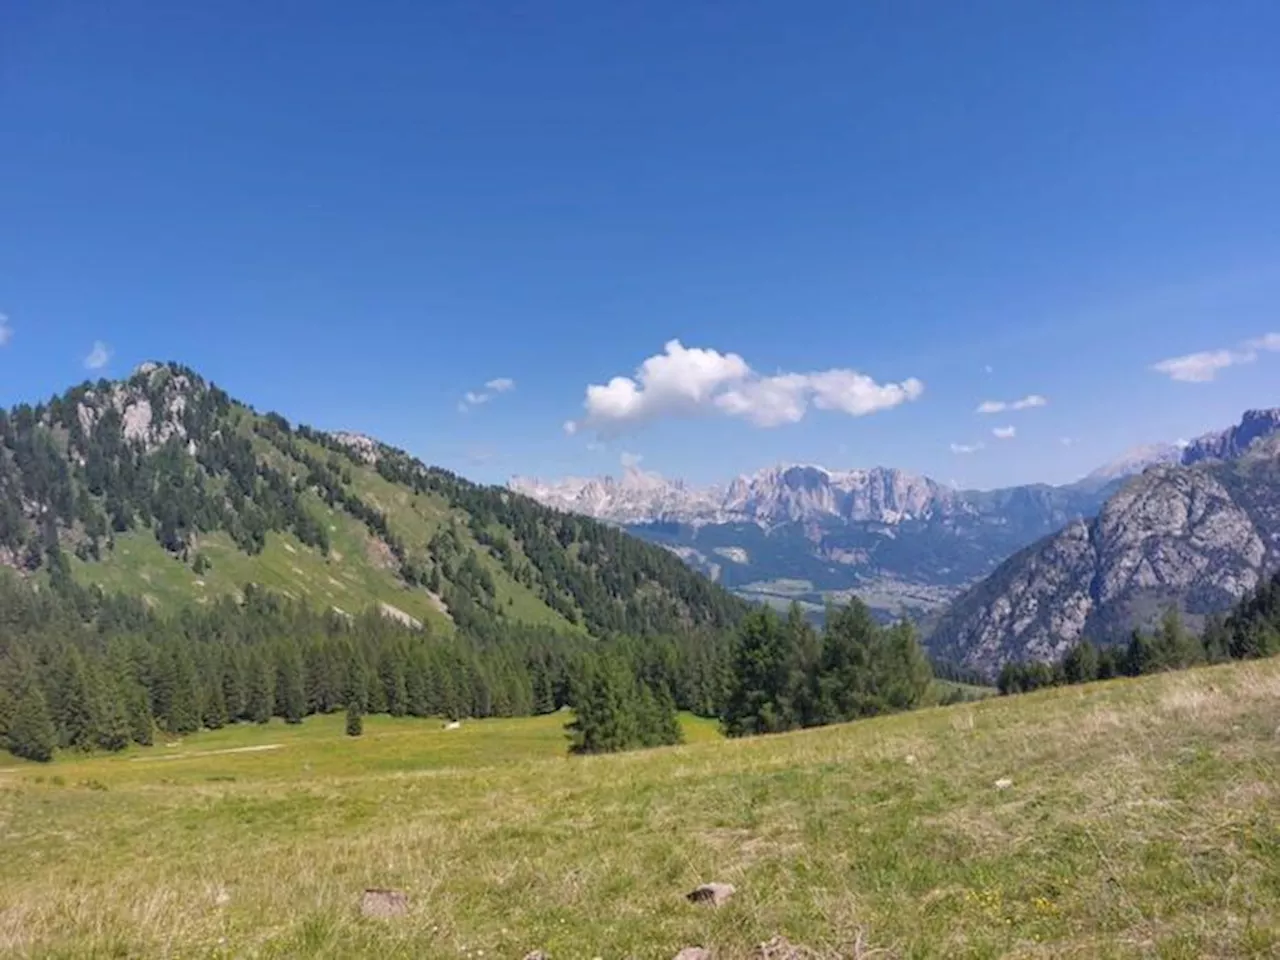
{"points": [[687, 381], [6, 330], [1268, 341], [474, 398], [1004, 433], [1029, 402], [630, 460], [1204, 366], [1066, 441], [988, 369], [963, 448], [98, 357]]}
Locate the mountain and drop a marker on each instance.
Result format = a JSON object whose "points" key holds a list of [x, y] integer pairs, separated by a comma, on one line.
{"points": [[803, 532], [1133, 462], [164, 486], [1197, 536]]}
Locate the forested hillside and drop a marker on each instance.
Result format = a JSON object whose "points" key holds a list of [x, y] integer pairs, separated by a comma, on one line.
{"points": [[80, 669], [164, 487]]}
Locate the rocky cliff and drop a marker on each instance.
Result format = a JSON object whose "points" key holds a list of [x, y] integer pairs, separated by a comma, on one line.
{"points": [[1196, 537]]}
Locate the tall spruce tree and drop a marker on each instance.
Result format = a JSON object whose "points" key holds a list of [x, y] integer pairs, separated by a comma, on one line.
{"points": [[355, 717], [260, 697], [758, 699], [604, 709], [31, 731]]}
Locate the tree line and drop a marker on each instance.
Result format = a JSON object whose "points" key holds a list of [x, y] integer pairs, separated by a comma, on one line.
{"points": [[1251, 630], [84, 670]]}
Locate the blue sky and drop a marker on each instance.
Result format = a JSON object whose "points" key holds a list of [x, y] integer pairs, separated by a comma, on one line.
{"points": [[858, 221]]}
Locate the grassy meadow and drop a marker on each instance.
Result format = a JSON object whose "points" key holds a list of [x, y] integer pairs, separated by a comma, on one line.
{"points": [[1135, 818]]}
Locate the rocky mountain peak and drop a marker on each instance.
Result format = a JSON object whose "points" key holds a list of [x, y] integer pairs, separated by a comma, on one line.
{"points": [[152, 405], [1234, 441]]}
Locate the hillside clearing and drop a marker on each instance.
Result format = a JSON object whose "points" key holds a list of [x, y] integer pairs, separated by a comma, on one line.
{"points": [[1141, 818]]}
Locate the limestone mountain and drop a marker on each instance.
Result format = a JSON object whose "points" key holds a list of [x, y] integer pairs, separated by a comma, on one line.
{"points": [[163, 486], [1197, 536], [805, 532]]}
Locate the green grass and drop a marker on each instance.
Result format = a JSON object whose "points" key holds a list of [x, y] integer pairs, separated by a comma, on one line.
{"points": [[1142, 820], [347, 578]]}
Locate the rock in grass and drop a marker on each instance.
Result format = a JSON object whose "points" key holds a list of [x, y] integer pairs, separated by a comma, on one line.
{"points": [[382, 904], [780, 948], [694, 953], [711, 894], [537, 955]]}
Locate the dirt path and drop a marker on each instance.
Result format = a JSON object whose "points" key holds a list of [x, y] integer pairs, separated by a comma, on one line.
{"points": [[208, 753]]}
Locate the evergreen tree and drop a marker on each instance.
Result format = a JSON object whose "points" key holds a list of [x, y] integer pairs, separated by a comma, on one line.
{"points": [[291, 695], [138, 709], [261, 690], [391, 674], [184, 709], [657, 720], [761, 678], [604, 709], [72, 702], [31, 731], [355, 718], [214, 712], [846, 682], [111, 717], [1080, 665]]}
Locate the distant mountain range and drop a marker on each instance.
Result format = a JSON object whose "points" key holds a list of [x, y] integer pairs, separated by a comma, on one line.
{"points": [[1197, 535], [898, 540]]}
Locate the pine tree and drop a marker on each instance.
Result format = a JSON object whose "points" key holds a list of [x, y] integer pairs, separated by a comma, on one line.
{"points": [[31, 731], [391, 674], [72, 702], [214, 711], [761, 678], [604, 709], [355, 718], [1080, 665], [184, 708], [845, 683], [658, 722], [111, 718], [138, 708], [291, 694], [261, 690]]}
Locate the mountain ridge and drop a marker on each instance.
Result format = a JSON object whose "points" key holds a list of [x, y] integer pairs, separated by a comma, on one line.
{"points": [[1196, 536], [162, 485]]}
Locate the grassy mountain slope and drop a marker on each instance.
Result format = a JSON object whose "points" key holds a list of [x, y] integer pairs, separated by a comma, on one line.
{"points": [[164, 486], [1140, 819]]}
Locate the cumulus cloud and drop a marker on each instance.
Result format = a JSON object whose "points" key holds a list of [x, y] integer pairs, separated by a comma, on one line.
{"points": [[630, 460], [1004, 433], [6, 330], [98, 357], [1029, 402], [473, 398], [1205, 365], [964, 448], [687, 381]]}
